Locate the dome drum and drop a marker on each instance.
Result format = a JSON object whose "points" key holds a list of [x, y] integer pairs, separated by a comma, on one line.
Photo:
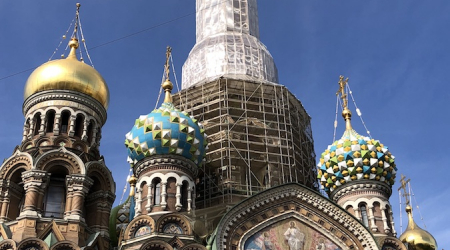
{"points": [[165, 163], [65, 99]]}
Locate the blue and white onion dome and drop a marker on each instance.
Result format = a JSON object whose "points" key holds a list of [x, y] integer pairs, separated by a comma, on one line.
{"points": [[355, 157], [166, 130]]}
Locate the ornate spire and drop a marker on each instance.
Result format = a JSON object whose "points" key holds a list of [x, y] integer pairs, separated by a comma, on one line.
{"points": [[167, 85], [414, 236], [73, 43], [406, 194], [346, 113]]}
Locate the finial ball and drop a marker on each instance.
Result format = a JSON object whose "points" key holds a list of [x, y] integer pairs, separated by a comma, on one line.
{"points": [[408, 209], [167, 85], [73, 43], [78, 5]]}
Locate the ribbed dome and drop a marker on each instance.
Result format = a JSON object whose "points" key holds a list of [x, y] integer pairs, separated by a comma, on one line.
{"points": [[416, 237], [355, 157], [166, 130], [68, 74]]}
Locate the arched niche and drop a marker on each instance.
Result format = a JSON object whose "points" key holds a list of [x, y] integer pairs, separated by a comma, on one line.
{"points": [[274, 209]]}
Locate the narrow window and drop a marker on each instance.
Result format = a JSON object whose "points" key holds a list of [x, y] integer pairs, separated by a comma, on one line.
{"points": [[79, 125], [157, 194], [50, 119], [90, 132], [184, 194], [364, 218], [37, 123], [65, 118], [55, 200]]}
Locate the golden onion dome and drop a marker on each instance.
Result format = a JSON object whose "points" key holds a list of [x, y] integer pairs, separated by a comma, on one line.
{"points": [[416, 237], [68, 74]]}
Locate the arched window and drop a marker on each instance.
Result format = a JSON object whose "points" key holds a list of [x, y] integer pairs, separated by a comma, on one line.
{"points": [[157, 192], [90, 213], [184, 194], [79, 122], [37, 123], [27, 127], [17, 194], [50, 121], [55, 197], [90, 131], [65, 118], [388, 216], [364, 218]]}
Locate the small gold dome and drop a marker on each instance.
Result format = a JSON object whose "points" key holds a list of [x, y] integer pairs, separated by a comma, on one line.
{"points": [[68, 74], [416, 237]]}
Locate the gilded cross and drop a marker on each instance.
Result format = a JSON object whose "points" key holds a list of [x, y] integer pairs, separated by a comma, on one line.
{"points": [[167, 65], [341, 91], [403, 183]]}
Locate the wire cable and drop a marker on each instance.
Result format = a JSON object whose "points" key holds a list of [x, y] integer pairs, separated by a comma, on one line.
{"points": [[124, 37]]}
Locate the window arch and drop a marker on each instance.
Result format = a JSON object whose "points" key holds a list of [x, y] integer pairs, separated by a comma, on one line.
{"points": [[184, 194], [65, 119], [27, 127], [55, 197], [50, 121], [157, 192], [37, 123], [90, 132], [79, 122], [17, 194], [363, 210]]}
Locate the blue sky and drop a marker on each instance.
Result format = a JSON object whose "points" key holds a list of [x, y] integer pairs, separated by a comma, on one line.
{"points": [[395, 53]]}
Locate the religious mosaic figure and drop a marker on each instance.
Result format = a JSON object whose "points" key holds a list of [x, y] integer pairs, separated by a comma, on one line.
{"points": [[295, 238], [172, 228], [321, 245], [143, 231]]}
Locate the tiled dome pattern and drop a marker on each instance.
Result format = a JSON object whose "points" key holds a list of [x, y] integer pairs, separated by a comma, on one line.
{"points": [[166, 130], [355, 157]]}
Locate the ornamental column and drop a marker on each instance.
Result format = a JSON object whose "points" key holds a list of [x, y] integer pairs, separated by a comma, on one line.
{"points": [[189, 199], [30, 130], [138, 201], [80, 187], [56, 125], [148, 207], [84, 136], [72, 125], [163, 195], [384, 219], [373, 226], [34, 182], [178, 197], [42, 127]]}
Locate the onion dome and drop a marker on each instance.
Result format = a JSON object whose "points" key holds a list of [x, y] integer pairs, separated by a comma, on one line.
{"points": [[415, 237], [355, 157], [166, 130], [68, 74]]}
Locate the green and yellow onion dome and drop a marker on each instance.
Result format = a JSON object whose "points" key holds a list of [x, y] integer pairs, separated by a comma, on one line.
{"points": [[355, 157], [68, 74], [166, 130]]}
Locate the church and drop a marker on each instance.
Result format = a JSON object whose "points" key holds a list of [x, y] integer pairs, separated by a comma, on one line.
{"points": [[228, 162]]}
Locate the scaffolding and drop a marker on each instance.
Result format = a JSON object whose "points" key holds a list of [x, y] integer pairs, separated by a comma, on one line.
{"points": [[259, 136]]}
